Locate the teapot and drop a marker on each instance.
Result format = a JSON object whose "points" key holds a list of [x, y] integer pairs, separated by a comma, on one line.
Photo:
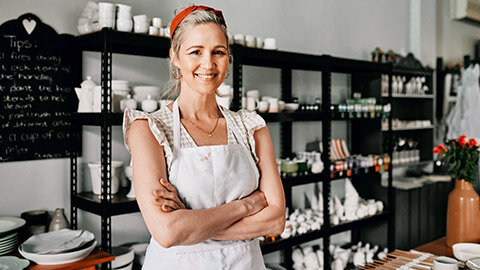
{"points": [[85, 95]]}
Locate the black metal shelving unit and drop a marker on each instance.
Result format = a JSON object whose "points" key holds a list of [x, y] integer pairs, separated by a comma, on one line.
{"points": [[286, 62]]}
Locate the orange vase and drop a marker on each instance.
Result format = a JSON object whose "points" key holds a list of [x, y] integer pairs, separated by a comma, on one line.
{"points": [[463, 214]]}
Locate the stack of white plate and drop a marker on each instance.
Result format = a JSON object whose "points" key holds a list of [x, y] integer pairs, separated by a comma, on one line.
{"points": [[8, 233], [58, 247]]}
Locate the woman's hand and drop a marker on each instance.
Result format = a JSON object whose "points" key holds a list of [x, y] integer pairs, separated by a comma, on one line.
{"points": [[255, 202], [167, 199]]}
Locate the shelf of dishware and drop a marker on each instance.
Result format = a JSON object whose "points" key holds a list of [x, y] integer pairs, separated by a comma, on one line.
{"points": [[291, 60], [124, 43], [410, 96], [291, 181], [280, 244], [118, 205], [410, 128]]}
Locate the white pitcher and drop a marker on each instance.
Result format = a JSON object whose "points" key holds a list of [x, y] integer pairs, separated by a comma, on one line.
{"points": [[85, 95]]}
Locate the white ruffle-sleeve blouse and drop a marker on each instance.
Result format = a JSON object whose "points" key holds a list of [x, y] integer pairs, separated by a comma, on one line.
{"points": [[161, 125]]}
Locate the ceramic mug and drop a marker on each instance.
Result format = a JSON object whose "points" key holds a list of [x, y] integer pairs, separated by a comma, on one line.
{"points": [[252, 104], [445, 263], [263, 106], [273, 105], [254, 93], [281, 105]]}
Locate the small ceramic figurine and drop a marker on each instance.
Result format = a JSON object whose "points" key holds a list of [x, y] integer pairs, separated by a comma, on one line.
{"points": [[383, 254], [128, 103], [359, 258], [311, 260], [149, 105], [297, 256]]}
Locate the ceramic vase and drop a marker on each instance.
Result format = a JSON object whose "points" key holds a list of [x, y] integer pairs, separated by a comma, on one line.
{"points": [[59, 221], [463, 214]]}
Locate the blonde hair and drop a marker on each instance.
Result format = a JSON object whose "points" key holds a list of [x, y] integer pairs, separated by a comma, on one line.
{"points": [[195, 18]]}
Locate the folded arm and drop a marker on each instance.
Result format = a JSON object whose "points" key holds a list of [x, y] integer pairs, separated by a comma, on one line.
{"points": [[271, 219], [180, 227]]}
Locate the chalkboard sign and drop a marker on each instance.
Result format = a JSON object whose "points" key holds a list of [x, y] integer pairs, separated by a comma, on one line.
{"points": [[38, 71]]}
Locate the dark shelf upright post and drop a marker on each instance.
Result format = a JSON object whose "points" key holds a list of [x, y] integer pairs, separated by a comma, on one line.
{"points": [[390, 191], [286, 127], [106, 143], [237, 80], [286, 146], [326, 134]]}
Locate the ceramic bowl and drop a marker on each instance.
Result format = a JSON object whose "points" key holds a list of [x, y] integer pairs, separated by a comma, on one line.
{"points": [[466, 251], [60, 258], [291, 107], [123, 256]]}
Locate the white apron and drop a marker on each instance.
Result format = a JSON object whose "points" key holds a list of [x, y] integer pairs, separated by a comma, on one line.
{"points": [[206, 177]]}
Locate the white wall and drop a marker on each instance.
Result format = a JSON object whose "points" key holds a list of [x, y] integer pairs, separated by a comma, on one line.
{"points": [[347, 28]]}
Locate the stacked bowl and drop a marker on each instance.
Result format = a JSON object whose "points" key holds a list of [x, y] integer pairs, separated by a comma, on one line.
{"points": [[106, 14], [140, 93], [120, 89]]}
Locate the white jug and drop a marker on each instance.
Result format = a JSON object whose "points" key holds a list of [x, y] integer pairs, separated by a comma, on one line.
{"points": [[85, 95]]}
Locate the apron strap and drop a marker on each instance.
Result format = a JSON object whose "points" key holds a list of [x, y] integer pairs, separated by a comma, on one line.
{"points": [[176, 125]]}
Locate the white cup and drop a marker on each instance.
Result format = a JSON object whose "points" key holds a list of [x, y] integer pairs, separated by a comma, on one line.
{"points": [[152, 30], [269, 43], [161, 32], [140, 18], [252, 103], [254, 93], [250, 41], [263, 106], [239, 39], [281, 105], [273, 105], [95, 174], [259, 42], [157, 22], [140, 27], [244, 102], [445, 263]]}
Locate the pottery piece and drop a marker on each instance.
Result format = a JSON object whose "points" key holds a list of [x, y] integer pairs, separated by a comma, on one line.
{"points": [[59, 221]]}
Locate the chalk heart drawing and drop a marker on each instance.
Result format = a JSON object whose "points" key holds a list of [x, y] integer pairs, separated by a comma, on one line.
{"points": [[29, 25]]}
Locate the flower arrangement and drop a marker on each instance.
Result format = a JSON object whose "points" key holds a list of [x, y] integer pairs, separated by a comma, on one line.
{"points": [[462, 157]]}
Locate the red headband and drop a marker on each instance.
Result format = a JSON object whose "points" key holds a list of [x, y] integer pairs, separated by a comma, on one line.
{"points": [[180, 16]]}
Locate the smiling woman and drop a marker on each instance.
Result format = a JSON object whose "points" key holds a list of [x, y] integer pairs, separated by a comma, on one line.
{"points": [[205, 177]]}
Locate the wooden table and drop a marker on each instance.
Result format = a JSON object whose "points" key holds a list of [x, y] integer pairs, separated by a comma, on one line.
{"points": [[97, 256], [437, 247]]}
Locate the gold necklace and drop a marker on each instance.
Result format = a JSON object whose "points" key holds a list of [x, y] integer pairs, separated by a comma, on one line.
{"points": [[210, 135]]}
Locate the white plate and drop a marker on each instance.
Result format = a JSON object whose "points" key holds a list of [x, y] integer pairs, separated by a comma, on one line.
{"points": [[8, 237], [473, 264], [466, 251], [6, 251], [56, 241], [123, 256], [12, 263], [61, 258], [9, 243], [8, 224]]}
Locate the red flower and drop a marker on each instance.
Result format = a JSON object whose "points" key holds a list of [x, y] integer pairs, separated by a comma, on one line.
{"points": [[462, 140], [442, 147], [472, 142], [436, 150]]}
